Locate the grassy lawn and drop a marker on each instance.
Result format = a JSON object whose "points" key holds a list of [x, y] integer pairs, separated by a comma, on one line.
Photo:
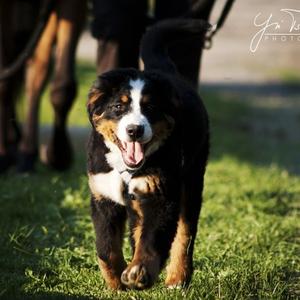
{"points": [[248, 245]]}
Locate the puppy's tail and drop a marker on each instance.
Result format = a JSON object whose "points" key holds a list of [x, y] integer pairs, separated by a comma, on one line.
{"points": [[155, 42]]}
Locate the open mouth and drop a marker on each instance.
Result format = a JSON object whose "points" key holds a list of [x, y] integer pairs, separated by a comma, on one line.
{"points": [[133, 153]]}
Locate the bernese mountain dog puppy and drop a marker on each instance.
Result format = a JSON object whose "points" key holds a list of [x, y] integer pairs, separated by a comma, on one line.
{"points": [[147, 156]]}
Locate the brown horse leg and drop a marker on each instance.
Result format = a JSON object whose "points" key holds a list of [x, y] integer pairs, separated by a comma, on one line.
{"points": [[118, 29], [71, 16], [36, 75], [9, 132], [107, 56]]}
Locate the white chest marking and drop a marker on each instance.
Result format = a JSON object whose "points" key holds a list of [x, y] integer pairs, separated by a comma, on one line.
{"points": [[126, 176], [108, 185]]}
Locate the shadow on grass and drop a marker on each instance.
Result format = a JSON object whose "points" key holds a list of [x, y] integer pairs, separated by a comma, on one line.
{"points": [[53, 296], [258, 124], [284, 203], [44, 220], [45, 215]]}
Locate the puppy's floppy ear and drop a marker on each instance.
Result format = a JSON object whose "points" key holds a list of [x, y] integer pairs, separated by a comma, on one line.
{"points": [[105, 86], [99, 93], [95, 96]]}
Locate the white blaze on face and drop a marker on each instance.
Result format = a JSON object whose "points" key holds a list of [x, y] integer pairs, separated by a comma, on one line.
{"points": [[135, 116], [133, 153]]}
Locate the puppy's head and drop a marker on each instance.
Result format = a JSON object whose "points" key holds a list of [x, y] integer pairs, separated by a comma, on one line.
{"points": [[133, 111]]}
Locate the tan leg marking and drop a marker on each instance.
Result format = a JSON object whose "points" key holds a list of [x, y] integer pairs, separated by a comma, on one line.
{"points": [[178, 271], [145, 265], [112, 272]]}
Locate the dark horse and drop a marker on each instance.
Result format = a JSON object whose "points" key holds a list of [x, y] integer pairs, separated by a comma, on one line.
{"points": [[118, 25], [59, 35]]}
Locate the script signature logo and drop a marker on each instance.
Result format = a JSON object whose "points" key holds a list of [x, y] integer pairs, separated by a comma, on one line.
{"points": [[269, 27]]}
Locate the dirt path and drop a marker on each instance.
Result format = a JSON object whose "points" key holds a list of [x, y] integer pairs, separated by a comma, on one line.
{"points": [[230, 59]]}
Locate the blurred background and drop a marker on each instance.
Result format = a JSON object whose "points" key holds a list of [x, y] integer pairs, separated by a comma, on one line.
{"points": [[266, 81], [248, 243]]}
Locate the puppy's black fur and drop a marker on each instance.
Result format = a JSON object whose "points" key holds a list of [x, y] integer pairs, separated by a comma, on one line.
{"points": [[159, 190]]}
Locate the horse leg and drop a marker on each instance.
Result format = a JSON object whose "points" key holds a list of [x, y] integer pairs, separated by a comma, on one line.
{"points": [[118, 33], [9, 131], [36, 75], [71, 16]]}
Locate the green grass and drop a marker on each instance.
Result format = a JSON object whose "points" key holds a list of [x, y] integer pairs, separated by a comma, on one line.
{"points": [[291, 77], [248, 240]]}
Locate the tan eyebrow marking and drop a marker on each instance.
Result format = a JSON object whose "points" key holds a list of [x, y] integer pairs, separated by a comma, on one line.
{"points": [[124, 98]]}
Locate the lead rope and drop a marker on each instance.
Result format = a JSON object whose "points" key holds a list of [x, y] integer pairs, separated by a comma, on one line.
{"points": [[46, 10], [217, 26]]}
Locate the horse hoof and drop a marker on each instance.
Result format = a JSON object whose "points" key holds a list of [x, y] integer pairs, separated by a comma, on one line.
{"points": [[6, 161], [26, 161], [58, 153]]}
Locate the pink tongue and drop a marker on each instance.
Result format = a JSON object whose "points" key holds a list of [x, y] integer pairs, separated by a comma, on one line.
{"points": [[133, 153]]}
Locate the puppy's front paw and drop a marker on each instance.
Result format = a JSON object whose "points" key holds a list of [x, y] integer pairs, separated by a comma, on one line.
{"points": [[178, 278], [175, 282], [136, 276]]}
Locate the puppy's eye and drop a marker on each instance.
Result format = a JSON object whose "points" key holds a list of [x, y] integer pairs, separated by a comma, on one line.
{"points": [[118, 108], [149, 107]]}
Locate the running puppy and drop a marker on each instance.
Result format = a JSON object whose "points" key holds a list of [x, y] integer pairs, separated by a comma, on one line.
{"points": [[146, 162]]}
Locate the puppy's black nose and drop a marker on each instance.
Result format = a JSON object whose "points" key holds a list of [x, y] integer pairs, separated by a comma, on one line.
{"points": [[135, 131]]}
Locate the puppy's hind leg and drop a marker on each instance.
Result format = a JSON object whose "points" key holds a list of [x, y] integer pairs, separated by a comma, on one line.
{"points": [[109, 222], [180, 267]]}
